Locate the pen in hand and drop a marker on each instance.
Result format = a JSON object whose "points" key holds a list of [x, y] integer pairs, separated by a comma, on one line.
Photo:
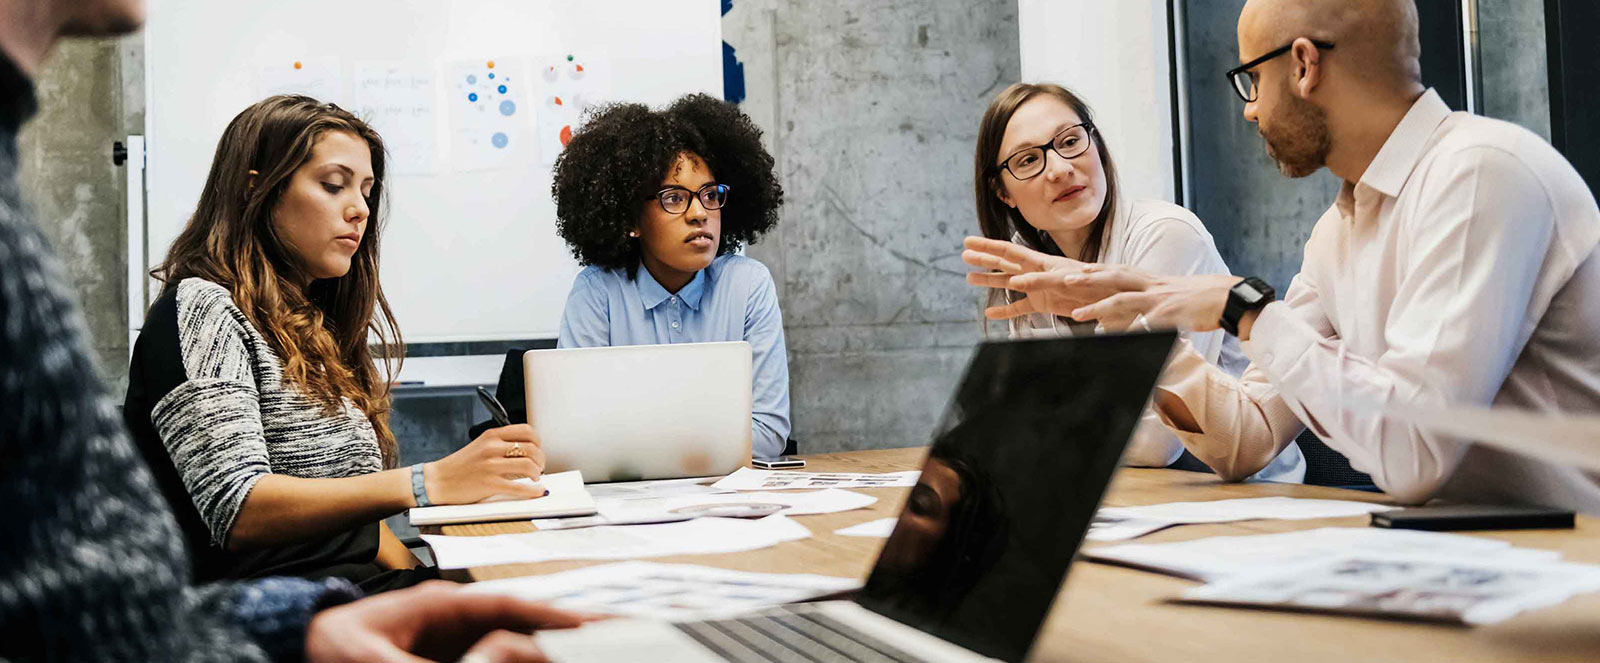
{"points": [[498, 413], [496, 410]]}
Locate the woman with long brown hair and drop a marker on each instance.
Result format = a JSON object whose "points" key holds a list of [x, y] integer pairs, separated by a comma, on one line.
{"points": [[253, 390], [1045, 182]]}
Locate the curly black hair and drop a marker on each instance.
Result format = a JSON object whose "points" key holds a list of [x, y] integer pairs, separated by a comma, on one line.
{"points": [[619, 157]]}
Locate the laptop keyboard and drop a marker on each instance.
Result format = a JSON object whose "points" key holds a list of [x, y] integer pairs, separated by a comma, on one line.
{"points": [[792, 634]]}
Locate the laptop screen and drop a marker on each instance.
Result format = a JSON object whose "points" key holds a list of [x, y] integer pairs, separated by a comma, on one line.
{"points": [[1015, 473]]}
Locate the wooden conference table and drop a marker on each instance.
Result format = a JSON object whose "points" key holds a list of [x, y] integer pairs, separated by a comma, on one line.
{"points": [[1108, 613]]}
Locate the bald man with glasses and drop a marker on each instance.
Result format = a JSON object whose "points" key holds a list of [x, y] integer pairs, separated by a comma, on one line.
{"points": [[1456, 267]]}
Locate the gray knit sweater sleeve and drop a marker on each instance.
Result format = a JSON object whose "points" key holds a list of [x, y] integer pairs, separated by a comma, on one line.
{"points": [[211, 423], [234, 419]]}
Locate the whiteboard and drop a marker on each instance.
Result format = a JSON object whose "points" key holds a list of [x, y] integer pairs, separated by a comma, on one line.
{"points": [[469, 249]]}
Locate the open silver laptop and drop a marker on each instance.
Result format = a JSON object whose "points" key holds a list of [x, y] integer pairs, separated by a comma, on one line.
{"points": [[983, 543], [642, 411]]}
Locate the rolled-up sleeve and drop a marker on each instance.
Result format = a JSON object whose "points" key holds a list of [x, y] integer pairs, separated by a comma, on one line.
{"points": [[1241, 423]]}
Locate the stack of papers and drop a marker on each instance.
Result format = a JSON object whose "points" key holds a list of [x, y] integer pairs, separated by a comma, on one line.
{"points": [[566, 497], [1367, 571], [1122, 523], [625, 511], [693, 537], [748, 479], [666, 592]]}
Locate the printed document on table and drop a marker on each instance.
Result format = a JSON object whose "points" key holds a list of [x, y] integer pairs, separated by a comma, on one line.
{"points": [[750, 479], [1120, 523], [670, 592], [1218, 557], [692, 537], [615, 511], [1458, 590]]}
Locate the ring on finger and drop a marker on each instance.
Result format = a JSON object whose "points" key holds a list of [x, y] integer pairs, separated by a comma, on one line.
{"points": [[516, 451]]}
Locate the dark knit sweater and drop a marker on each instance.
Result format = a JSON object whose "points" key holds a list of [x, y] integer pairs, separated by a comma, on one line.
{"points": [[92, 565]]}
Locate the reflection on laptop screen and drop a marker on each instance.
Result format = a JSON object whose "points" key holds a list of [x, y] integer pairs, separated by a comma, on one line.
{"points": [[1014, 476]]}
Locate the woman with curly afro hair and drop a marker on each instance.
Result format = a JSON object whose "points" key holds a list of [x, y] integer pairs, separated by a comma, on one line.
{"points": [[655, 203]]}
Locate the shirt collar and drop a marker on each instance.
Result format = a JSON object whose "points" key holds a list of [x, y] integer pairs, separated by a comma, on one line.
{"points": [[690, 294], [1399, 155], [651, 292]]}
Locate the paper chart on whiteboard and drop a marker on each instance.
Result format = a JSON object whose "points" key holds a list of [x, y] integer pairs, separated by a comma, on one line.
{"points": [[488, 108], [568, 84], [397, 99]]}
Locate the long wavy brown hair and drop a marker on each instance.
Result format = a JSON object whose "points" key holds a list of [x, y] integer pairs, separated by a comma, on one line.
{"points": [[323, 333]]}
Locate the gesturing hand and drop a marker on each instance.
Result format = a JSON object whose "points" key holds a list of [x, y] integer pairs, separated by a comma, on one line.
{"points": [[488, 466], [434, 621], [1190, 303], [1050, 282], [1114, 295]]}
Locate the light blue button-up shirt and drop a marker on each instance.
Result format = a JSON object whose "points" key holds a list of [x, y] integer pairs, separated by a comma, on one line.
{"points": [[732, 300]]}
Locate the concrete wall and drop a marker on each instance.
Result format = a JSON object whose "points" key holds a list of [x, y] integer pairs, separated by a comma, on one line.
{"points": [[872, 112], [76, 193]]}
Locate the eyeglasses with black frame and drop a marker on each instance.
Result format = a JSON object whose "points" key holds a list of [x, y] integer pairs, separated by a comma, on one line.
{"points": [[1244, 79], [1028, 162], [675, 199]]}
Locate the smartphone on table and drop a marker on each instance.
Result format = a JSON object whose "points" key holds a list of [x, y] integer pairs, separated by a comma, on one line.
{"points": [[779, 463]]}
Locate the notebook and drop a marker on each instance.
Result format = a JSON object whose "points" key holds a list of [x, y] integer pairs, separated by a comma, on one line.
{"points": [[567, 497]]}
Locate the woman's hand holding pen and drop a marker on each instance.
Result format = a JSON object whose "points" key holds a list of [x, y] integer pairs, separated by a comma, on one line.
{"points": [[489, 465]]}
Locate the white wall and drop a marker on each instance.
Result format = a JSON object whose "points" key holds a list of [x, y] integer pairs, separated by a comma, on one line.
{"points": [[1114, 54]]}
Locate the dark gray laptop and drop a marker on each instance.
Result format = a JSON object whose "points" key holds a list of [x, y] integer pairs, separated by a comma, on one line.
{"points": [[1014, 476]]}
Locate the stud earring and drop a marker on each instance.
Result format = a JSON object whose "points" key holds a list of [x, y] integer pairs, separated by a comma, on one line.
{"points": [[633, 233]]}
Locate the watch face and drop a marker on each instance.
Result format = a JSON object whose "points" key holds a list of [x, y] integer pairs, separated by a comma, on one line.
{"points": [[1247, 293]]}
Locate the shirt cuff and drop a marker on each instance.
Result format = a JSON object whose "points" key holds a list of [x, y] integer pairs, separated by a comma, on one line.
{"points": [[1277, 340], [276, 611]]}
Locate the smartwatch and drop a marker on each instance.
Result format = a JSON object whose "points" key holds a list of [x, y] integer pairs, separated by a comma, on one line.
{"points": [[1251, 294]]}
